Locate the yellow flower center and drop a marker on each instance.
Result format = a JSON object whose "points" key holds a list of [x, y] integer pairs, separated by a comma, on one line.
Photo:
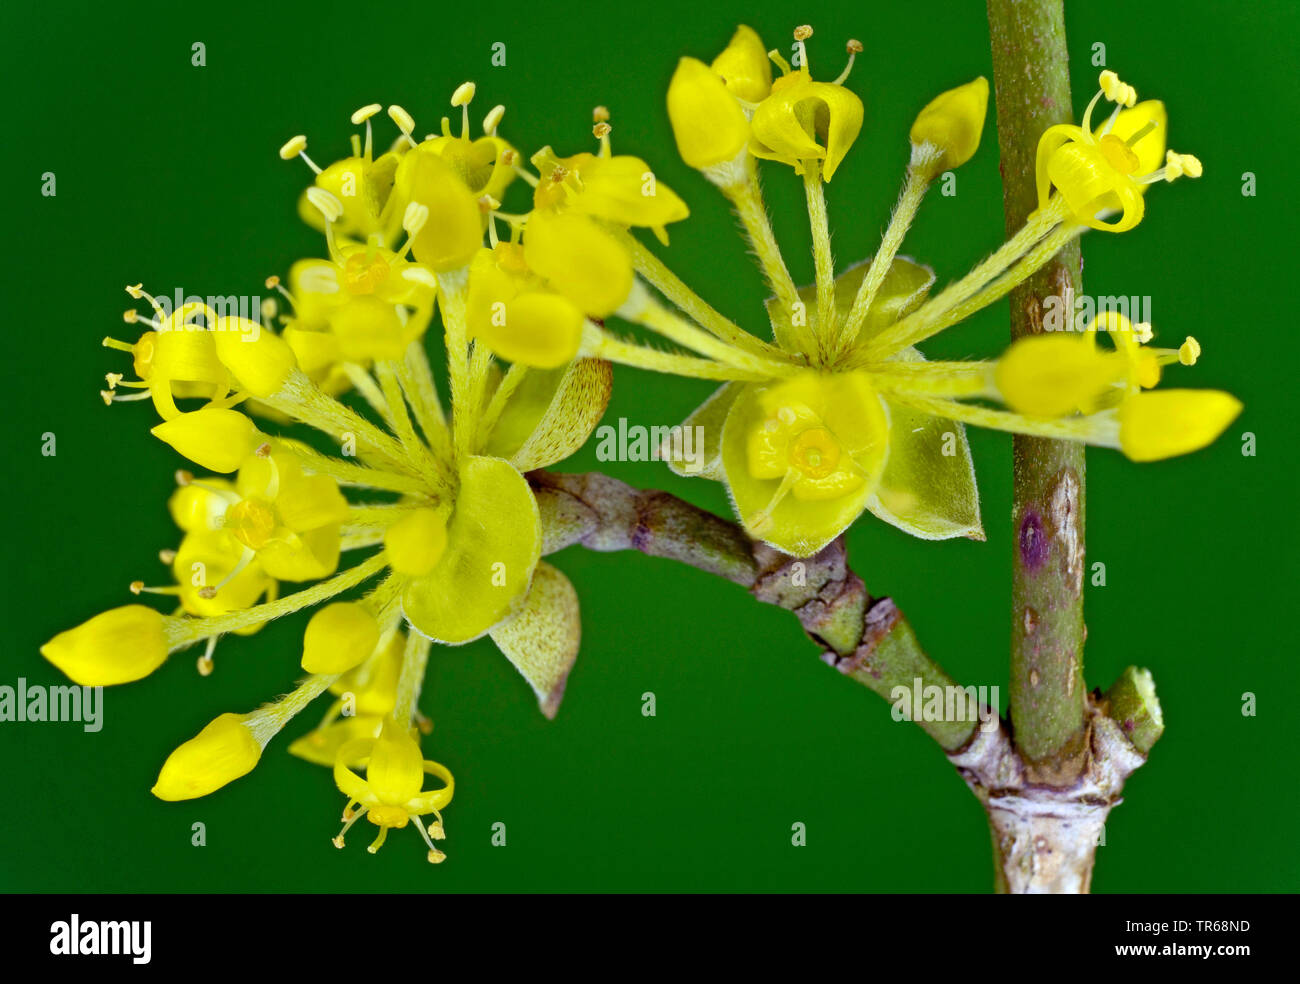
{"points": [[252, 521], [1118, 154], [362, 273], [388, 816], [815, 452]]}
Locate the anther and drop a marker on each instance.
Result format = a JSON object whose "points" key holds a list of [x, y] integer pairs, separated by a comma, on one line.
{"points": [[1189, 351], [600, 114], [464, 94], [365, 112], [493, 119], [803, 32]]}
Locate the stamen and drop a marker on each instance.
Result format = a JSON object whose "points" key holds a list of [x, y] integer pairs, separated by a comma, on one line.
{"points": [[378, 841], [462, 97], [1116, 90], [853, 47], [801, 34], [273, 283], [204, 663], [337, 840], [297, 147], [404, 122], [493, 120], [139, 587], [137, 291], [109, 397], [110, 342], [363, 115]]}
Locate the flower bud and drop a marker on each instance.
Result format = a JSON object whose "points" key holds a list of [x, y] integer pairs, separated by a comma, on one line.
{"points": [[952, 122], [116, 646], [339, 637], [708, 123], [219, 754], [415, 543], [744, 67], [1166, 423], [212, 437]]}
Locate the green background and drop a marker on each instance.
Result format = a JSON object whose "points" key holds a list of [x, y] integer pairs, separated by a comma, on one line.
{"points": [[167, 173]]}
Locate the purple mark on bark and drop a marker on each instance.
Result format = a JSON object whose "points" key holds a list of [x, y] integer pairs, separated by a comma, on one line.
{"points": [[1033, 543]]}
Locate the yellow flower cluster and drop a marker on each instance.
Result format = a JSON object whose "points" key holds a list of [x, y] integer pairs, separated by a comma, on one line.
{"points": [[838, 413], [433, 500]]}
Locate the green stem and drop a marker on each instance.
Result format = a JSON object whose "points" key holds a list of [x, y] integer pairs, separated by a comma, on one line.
{"points": [[867, 639], [1031, 73]]}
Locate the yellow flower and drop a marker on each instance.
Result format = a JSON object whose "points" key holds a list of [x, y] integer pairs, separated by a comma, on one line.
{"points": [[566, 240], [1108, 170], [117, 646], [370, 302], [362, 182], [290, 520], [517, 314], [391, 795], [803, 121]]}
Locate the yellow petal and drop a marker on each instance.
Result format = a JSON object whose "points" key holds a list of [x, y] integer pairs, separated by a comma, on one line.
{"points": [[494, 540], [302, 556], [217, 439], [804, 120], [200, 509], [116, 646], [396, 768], [454, 232], [624, 190], [259, 359], [551, 414], [321, 747], [542, 640], [581, 260], [219, 754], [1165, 423], [708, 124], [953, 122], [744, 66], [339, 637]]}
